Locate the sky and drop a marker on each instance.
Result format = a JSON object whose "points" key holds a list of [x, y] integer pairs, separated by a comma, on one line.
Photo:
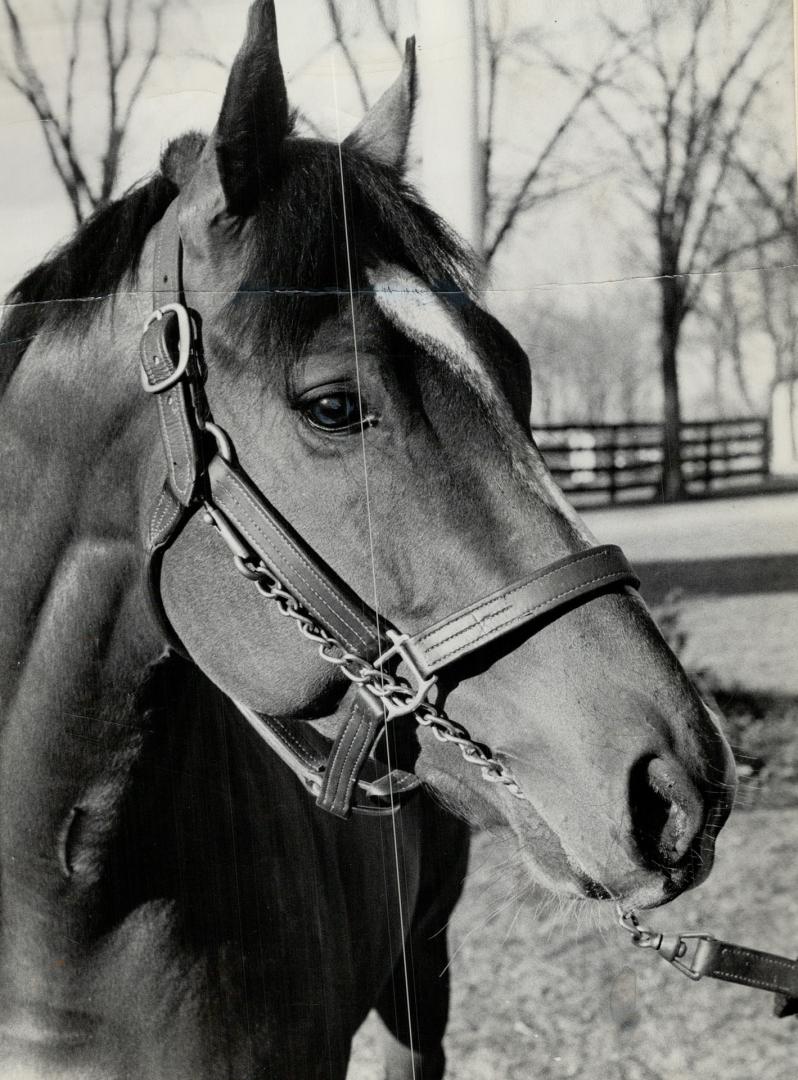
{"points": [[574, 252]]}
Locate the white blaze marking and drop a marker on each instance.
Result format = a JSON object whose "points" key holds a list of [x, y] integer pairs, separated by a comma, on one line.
{"points": [[414, 308], [410, 304]]}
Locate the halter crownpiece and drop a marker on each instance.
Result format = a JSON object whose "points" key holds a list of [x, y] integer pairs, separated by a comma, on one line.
{"points": [[386, 683]]}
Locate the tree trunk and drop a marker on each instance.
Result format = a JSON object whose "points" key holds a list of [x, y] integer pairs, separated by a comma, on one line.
{"points": [[673, 313]]}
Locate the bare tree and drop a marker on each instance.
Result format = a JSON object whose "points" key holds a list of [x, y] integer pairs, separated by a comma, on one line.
{"points": [[508, 198], [505, 198], [778, 292], [341, 39], [728, 320], [685, 124], [586, 365], [127, 67], [752, 316]]}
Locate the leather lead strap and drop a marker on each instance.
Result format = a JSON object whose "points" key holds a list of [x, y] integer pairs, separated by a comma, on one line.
{"points": [[765, 971]]}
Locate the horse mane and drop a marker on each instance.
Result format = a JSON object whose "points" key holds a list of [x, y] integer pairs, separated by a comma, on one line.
{"points": [[298, 252], [66, 288]]}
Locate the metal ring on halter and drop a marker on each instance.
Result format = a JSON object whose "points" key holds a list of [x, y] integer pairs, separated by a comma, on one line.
{"points": [[245, 568], [184, 348], [235, 544], [410, 697], [223, 444]]}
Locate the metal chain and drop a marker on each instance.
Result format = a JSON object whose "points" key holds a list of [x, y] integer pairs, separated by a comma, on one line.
{"points": [[628, 919], [447, 731], [386, 687]]}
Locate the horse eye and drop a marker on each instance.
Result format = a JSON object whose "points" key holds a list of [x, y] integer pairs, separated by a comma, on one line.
{"points": [[339, 411]]}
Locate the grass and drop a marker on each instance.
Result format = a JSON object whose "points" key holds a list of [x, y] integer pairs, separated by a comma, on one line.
{"points": [[761, 725]]}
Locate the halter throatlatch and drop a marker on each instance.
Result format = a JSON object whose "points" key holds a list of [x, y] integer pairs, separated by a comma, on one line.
{"points": [[385, 683]]}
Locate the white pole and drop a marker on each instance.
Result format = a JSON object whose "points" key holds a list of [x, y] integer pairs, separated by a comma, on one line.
{"points": [[448, 114]]}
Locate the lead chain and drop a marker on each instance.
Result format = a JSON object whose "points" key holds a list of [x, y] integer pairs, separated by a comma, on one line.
{"points": [[376, 681], [447, 731]]}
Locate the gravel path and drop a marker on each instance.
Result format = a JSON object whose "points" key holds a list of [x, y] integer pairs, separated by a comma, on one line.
{"points": [[757, 525]]}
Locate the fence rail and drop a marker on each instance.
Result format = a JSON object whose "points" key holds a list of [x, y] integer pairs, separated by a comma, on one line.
{"points": [[623, 462]]}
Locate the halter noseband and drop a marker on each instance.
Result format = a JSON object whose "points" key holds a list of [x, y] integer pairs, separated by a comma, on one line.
{"points": [[202, 473]]}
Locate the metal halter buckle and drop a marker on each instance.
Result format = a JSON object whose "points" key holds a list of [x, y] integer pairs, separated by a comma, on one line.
{"points": [[184, 348]]}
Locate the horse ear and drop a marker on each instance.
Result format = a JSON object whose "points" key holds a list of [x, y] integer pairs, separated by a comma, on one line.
{"points": [[254, 120], [384, 131]]}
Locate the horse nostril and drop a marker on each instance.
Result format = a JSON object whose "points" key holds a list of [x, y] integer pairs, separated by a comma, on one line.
{"points": [[667, 810]]}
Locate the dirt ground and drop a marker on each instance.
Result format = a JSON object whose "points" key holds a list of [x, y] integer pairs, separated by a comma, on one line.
{"points": [[571, 1001], [551, 994]]}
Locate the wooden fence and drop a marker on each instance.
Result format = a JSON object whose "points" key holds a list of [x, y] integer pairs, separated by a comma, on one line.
{"points": [[600, 463]]}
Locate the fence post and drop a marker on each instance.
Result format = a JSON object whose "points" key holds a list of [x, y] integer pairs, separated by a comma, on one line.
{"points": [[620, 444], [708, 457]]}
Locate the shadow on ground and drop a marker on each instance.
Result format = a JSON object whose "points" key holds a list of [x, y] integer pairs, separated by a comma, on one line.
{"points": [[761, 574]]}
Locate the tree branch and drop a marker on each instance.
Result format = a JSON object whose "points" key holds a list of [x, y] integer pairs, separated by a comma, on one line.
{"points": [[782, 207], [58, 130], [72, 63], [516, 203], [740, 249], [729, 142], [127, 21], [705, 122], [493, 49], [57, 137], [335, 19], [555, 190], [158, 13], [386, 27]]}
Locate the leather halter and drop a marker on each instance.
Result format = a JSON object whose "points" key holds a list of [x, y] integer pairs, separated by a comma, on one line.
{"points": [[200, 474]]}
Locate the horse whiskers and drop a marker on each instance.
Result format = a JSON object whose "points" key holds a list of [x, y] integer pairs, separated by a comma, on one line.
{"points": [[514, 919], [502, 837], [492, 869], [447, 803], [485, 922], [495, 874], [724, 788]]}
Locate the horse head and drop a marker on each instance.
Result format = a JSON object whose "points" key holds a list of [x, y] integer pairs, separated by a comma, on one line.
{"points": [[385, 415]]}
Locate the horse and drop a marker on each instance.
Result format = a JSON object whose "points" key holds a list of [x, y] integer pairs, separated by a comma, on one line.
{"points": [[290, 604]]}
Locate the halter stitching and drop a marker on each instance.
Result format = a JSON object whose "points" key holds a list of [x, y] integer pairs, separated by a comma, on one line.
{"points": [[486, 603], [530, 611], [364, 641]]}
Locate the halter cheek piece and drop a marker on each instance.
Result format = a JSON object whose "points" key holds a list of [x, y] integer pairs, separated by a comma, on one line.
{"points": [[203, 474]]}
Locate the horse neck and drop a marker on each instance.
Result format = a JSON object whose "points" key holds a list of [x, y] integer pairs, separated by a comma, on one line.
{"points": [[77, 452]]}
